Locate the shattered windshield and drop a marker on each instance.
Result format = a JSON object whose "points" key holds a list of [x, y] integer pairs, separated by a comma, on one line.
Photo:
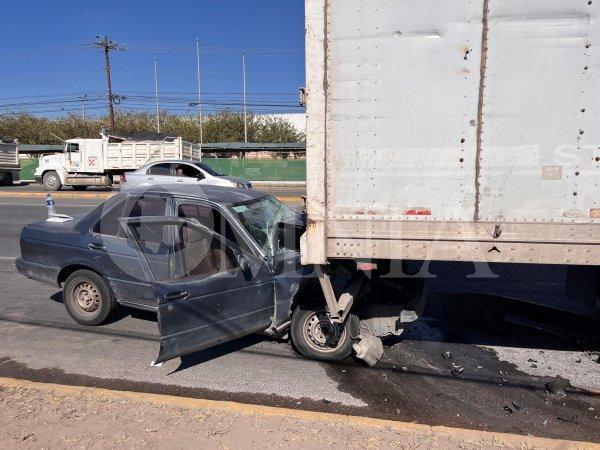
{"points": [[260, 218]]}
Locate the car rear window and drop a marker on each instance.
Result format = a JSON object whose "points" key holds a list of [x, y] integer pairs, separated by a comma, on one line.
{"points": [[109, 225], [160, 169]]}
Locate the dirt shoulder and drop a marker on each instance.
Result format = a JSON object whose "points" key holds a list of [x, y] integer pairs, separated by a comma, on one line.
{"points": [[38, 415]]}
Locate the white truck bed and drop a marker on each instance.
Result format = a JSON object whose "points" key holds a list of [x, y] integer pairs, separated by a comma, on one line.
{"points": [[9, 155], [462, 130], [131, 155]]}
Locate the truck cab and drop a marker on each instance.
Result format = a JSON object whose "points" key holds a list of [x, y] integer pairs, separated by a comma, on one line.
{"points": [[79, 165]]}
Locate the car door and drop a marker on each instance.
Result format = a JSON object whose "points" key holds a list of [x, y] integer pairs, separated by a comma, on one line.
{"points": [[115, 256], [213, 292], [158, 174]]}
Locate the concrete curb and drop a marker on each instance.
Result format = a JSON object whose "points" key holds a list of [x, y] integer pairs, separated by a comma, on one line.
{"points": [[254, 183], [473, 436], [102, 195]]}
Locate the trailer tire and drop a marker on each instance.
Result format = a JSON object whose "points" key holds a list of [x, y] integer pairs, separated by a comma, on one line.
{"points": [[315, 337], [88, 298], [52, 181], [7, 179], [79, 187]]}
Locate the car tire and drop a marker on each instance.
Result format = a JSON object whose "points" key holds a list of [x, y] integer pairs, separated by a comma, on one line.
{"points": [[311, 339], [79, 188], [88, 298], [52, 181]]}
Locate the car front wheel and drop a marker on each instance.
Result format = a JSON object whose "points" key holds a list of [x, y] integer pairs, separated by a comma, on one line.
{"points": [[315, 337], [88, 298]]}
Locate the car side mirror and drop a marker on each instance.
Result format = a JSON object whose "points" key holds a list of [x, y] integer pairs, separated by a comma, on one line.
{"points": [[200, 177], [243, 262]]}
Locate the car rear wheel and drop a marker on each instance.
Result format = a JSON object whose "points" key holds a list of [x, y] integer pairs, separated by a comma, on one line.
{"points": [[88, 298], [315, 337], [52, 181]]}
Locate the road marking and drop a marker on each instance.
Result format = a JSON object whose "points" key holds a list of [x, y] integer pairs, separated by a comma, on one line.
{"points": [[473, 436]]}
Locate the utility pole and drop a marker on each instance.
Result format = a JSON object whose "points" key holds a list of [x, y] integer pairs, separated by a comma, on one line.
{"points": [[156, 96], [108, 46], [245, 109], [199, 91]]}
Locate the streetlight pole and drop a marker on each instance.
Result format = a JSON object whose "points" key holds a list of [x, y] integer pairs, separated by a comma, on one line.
{"points": [[83, 98], [156, 96], [199, 91], [245, 108]]}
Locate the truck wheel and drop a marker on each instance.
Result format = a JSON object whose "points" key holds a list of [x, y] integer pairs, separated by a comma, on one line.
{"points": [[88, 298], [315, 337], [52, 181], [79, 188], [7, 179]]}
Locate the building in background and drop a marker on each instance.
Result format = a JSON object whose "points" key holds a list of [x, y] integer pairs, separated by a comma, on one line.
{"points": [[298, 120]]}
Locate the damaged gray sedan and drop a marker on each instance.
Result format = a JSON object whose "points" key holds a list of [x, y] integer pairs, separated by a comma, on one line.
{"points": [[215, 265]]}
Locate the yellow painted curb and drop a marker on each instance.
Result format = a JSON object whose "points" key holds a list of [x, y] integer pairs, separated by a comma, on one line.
{"points": [[474, 436], [22, 194], [106, 195]]}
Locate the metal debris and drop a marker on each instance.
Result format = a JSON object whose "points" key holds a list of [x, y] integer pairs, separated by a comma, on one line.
{"points": [[457, 370]]}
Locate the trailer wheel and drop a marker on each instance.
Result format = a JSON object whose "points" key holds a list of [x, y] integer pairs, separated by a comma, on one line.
{"points": [[79, 188], [315, 337], [52, 181], [88, 298], [7, 179]]}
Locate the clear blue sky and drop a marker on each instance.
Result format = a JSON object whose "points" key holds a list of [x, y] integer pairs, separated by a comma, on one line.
{"points": [[45, 64]]}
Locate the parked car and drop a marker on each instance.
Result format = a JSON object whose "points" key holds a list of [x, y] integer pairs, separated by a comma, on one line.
{"points": [[184, 172]]}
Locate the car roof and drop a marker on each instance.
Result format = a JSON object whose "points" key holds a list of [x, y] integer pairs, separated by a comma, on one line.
{"points": [[171, 161], [216, 194]]}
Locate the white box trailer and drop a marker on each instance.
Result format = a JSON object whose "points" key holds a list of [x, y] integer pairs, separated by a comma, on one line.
{"points": [[453, 130], [10, 167], [99, 162]]}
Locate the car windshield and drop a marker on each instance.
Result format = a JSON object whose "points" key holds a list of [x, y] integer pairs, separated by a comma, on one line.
{"points": [[209, 170], [260, 218]]}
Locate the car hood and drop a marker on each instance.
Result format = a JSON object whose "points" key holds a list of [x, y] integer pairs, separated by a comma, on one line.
{"points": [[236, 180]]}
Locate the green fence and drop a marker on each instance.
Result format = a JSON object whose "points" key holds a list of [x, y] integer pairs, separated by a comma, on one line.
{"points": [[260, 169], [28, 167], [247, 168]]}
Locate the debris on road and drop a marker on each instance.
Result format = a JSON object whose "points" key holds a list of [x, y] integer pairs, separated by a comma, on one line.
{"points": [[447, 355], [508, 409], [457, 369], [516, 406], [556, 387]]}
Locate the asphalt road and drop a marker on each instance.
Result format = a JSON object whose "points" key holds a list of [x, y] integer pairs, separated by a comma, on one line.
{"points": [[504, 377], [289, 190]]}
